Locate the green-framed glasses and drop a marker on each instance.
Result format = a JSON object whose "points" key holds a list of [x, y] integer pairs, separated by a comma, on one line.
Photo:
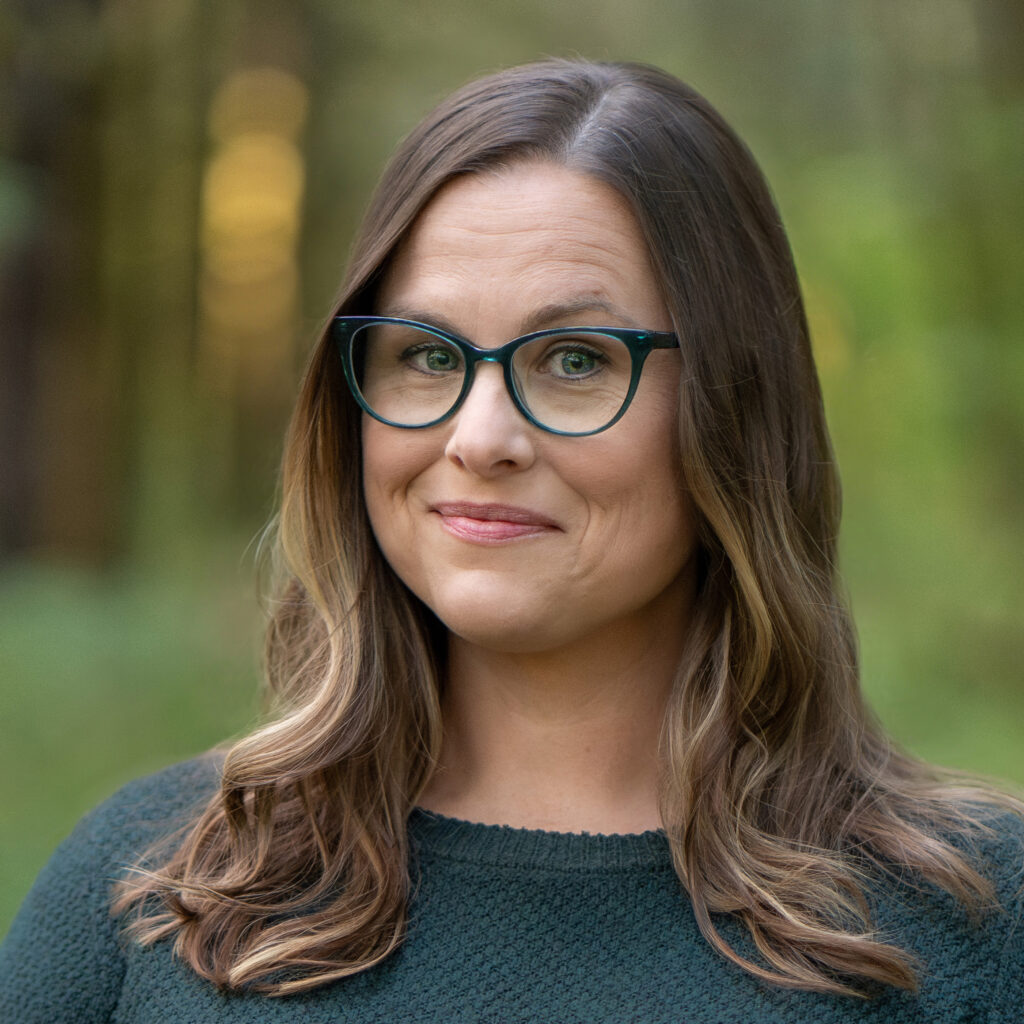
{"points": [[567, 380]]}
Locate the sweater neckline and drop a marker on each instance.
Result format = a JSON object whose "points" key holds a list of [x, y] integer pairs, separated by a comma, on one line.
{"points": [[437, 836]]}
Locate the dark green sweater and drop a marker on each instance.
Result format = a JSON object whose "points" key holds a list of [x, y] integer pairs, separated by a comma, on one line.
{"points": [[507, 925]]}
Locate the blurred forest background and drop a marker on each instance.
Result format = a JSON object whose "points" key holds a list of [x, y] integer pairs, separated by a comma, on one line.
{"points": [[179, 182]]}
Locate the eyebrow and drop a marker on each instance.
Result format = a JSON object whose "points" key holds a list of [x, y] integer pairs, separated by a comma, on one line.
{"points": [[421, 316], [553, 311], [543, 317]]}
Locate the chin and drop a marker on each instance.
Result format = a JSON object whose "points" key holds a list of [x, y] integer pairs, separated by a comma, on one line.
{"points": [[498, 620], [496, 630]]}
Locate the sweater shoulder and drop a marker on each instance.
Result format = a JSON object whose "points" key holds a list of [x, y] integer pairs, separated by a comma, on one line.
{"points": [[995, 849], [1001, 850], [975, 959], [1001, 859], [63, 958], [150, 807]]}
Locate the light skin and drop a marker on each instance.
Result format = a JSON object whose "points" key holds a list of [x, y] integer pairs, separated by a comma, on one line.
{"points": [[563, 567]]}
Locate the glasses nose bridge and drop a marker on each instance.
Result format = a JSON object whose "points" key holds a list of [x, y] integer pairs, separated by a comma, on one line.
{"points": [[500, 357]]}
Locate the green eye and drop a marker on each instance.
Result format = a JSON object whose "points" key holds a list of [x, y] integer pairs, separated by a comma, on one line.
{"points": [[433, 358], [573, 361], [577, 362], [440, 359]]}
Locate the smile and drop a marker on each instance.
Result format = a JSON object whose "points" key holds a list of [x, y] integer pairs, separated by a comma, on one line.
{"points": [[492, 524]]}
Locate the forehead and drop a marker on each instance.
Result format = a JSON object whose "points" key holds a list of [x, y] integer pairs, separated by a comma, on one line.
{"points": [[519, 239]]}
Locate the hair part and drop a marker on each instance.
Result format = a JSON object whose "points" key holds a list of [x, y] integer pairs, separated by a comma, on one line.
{"points": [[782, 796]]}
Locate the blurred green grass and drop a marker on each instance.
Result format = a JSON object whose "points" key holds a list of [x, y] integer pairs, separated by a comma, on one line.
{"points": [[105, 678]]}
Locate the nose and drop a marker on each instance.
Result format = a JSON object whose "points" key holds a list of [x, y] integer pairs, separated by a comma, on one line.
{"points": [[490, 437]]}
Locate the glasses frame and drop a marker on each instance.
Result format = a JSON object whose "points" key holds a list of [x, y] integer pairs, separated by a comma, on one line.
{"points": [[640, 344]]}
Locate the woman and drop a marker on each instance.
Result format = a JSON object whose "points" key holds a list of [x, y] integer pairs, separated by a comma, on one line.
{"points": [[569, 724]]}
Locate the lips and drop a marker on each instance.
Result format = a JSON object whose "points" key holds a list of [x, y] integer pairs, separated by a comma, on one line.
{"points": [[488, 523]]}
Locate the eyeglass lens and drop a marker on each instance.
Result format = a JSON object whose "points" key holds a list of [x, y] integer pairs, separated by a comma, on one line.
{"points": [[575, 382]]}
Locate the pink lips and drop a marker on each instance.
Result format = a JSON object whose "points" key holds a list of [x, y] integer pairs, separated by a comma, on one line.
{"points": [[491, 524]]}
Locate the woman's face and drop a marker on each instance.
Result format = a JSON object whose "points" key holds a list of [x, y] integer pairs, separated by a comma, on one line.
{"points": [[517, 539]]}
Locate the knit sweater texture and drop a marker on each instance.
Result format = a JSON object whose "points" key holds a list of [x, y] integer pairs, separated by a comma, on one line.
{"points": [[506, 925]]}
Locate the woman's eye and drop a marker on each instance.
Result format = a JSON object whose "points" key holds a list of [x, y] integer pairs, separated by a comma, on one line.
{"points": [[574, 362], [432, 358]]}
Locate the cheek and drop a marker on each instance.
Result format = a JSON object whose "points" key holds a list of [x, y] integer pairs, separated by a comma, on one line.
{"points": [[640, 456], [390, 464], [639, 508]]}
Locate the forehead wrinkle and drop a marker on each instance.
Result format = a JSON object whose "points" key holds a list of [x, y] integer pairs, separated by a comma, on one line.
{"points": [[530, 241], [500, 262], [520, 217], [434, 290], [595, 311]]}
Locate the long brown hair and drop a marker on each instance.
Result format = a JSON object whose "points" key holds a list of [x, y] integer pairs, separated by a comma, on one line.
{"points": [[782, 794]]}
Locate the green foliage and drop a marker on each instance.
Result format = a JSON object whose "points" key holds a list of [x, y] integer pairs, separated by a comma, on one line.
{"points": [[107, 678]]}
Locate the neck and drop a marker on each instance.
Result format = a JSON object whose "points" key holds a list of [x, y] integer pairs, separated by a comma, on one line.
{"points": [[565, 741]]}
